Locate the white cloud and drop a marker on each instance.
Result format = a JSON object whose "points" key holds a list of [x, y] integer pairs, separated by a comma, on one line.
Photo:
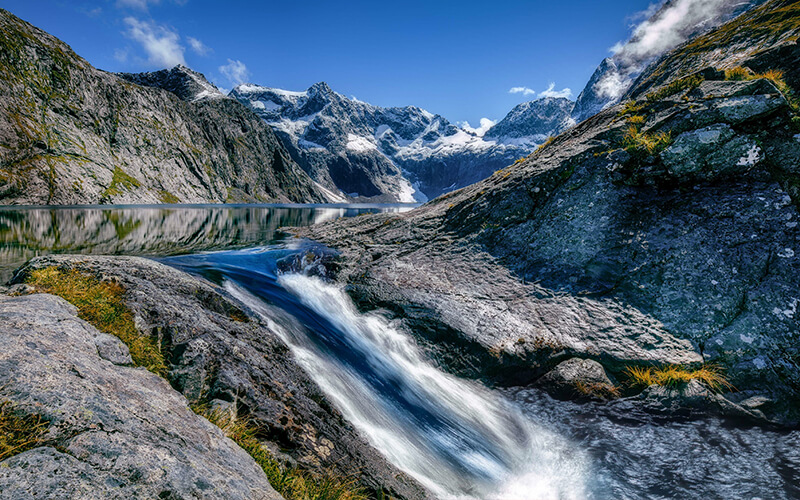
{"points": [[162, 44], [235, 71], [521, 90], [121, 55], [667, 27], [486, 124], [135, 4], [198, 47], [552, 92], [143, 4]]}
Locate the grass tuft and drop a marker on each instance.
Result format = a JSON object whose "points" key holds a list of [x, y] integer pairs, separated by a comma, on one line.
{"points": [[292, 484], [777, 78], [637, 142], [101, 303], [19, 432], [630, 107], [675, 376], [674, 87], [544, 145]]}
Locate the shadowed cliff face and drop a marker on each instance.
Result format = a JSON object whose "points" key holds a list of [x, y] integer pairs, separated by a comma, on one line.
{"points": [[661, 231], [72, 134]]}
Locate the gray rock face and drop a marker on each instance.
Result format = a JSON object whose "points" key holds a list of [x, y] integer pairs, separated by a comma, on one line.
{"points": [[72, 134], [115, 432], [623, 257], [242, 365]]}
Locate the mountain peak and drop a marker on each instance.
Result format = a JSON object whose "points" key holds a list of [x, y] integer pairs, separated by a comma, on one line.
{"points": [[184, 82]]}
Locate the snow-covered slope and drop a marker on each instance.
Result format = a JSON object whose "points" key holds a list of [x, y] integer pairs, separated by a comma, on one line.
{"points": [[392, 154], [531, 123]]}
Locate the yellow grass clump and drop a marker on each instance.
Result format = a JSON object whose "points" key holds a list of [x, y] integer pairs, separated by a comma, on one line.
{"points": [[675, 376], [101, 303]]}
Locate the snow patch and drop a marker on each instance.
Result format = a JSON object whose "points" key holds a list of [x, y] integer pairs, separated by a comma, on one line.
{"points": [[359, 144]]}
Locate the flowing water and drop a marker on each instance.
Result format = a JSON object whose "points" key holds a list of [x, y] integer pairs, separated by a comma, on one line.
{"points": [[458, 438]]}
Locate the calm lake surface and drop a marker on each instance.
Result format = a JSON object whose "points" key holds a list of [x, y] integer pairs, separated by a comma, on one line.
{"points": [[154, 231]]}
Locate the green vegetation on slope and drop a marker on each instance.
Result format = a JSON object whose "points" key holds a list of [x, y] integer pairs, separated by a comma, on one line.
{"points": [[119, 181], [292, 484], [101, 303]]}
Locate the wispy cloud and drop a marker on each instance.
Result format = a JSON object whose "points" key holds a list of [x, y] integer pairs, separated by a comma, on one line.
{"points": [[661, 27], [121, 55], [135, 4], [521, 90], [235, 71], [552, 92], [485, 125], [198, 47], [161, 43], [143, 4]]}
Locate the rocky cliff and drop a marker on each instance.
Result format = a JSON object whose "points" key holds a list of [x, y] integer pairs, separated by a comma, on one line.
{"points": [[72, 134], [662, 231]]}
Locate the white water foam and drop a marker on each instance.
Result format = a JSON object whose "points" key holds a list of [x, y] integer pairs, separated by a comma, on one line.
{"points": [[486, 450]]}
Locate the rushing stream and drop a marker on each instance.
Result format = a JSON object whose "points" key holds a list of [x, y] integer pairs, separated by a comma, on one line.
{"points": [[458, 438]]}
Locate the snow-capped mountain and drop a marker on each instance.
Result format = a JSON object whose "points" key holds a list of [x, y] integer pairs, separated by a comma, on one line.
{"points": [[391, 154], [187, 84], [674, 22], [531, 123]]}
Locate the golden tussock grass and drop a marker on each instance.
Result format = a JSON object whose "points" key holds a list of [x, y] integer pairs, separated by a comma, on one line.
{"points": [[674, 376], [101, 303], [19, 431]]}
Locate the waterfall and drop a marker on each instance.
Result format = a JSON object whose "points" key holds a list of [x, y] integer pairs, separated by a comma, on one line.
{"points": [[456, 437]]}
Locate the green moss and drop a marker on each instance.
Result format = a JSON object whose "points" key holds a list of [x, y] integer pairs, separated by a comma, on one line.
{"points": [[120, 181], [167, 197], [292, 484], [19, 431], [102, 304]]}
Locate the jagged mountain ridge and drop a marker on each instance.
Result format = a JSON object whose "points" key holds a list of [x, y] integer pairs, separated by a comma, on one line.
{"points": [[405, 153], [73, 134], [184, 82]]}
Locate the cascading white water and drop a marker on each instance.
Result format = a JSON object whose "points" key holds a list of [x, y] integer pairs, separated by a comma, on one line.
{"points": [[459, 439]]}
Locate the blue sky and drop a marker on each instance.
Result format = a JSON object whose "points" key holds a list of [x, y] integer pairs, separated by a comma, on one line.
{"points": [[459, 59]]}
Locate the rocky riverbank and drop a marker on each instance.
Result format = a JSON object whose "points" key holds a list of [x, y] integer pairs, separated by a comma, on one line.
{"points": [[104, 415], [660, 232]]}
